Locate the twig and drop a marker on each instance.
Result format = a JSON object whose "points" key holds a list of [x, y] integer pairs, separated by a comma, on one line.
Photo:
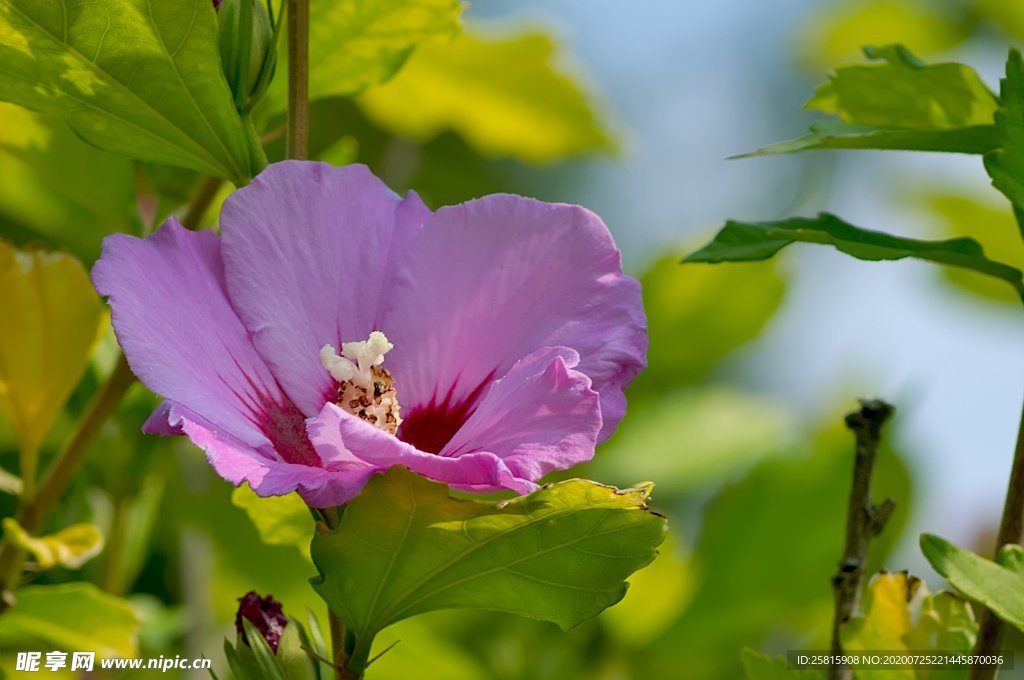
{"points": [[201, 202], [298, 79], [864, 521], [1011, 530]]}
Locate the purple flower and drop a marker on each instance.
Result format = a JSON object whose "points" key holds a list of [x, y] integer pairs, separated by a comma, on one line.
{"points": [[266, 616], [336, 329]]}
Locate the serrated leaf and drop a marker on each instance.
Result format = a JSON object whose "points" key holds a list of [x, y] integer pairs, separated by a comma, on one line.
{"points": [[999, 588], [404, 547], [503, 95], [356, 43], [747, 241], [898, 614], [136, 77], [759, 666], [900, 103], [66, 191], [1005, 165], [71, 547], [52, 319], [280, 520], [71, 616]]}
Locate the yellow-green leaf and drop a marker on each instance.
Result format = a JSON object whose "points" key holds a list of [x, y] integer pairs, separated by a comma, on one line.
{"points": [[51, 320], [70, 616], [503, 95], [356, 43], [280, 520], [900, 615], [71, 547], [759, 666]]}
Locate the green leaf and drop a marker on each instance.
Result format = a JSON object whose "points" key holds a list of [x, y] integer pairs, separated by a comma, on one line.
{"points": [[67, 192], [71, 616], [70, 547], [503, 95], [280, 520], [266, 661], [834, 134], [903, 92], [404, 547], [746, 241], [759, 666], [900, 103], [1005, 165], [899, 614], [10, 484], [998, 587], [136, 77], [356, 43]]}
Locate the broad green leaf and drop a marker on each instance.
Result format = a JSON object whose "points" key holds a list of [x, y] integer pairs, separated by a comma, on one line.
{"points": [[716, 311], [834, 134], [71, 547], [1005, 165], [136, 77], [904, 92], [900, 103], [998, 587], [694, 438], [280, 520], [356, 43], [991, 224], [898, 615], [745, 241], [503, 95], [836, 32], [759, 666], [67, 192], [52, 318], [404, 547], [71, 616]]}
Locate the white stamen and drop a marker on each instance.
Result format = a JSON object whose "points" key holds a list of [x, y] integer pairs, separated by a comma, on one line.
{"points": [[357, 359]]}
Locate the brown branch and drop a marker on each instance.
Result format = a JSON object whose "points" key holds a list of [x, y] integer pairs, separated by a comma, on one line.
{"points": [[864, 521], [1011, 530], [298, 79]]}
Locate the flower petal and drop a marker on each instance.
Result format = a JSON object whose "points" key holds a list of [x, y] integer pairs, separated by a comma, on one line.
{"points": [[481, 471], [490, 281], [320, 487], [541, 416], [185, 342], [309, 252]]}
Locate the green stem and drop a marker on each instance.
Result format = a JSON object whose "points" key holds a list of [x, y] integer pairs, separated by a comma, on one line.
{"points": [[201, 202], [1011, 530], [298, 79], [63, 468]]}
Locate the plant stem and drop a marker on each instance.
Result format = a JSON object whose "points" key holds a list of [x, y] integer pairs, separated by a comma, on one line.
{"points": [[62, 469], [298, 79], [864, 521], [1011, 530], [201, 202]]}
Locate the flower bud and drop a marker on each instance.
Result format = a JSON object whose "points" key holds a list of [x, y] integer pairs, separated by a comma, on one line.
{"points": [[248, 49], [264, 613]]}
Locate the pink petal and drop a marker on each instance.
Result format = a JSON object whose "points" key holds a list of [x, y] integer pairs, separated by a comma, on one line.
{"points": [[490, 281], [320, 487], [541, 416], [309, 253], [481, 471], [184, 341]]}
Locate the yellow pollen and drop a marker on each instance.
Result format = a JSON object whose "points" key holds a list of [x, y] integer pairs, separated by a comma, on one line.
{"points": [[365, 388]]}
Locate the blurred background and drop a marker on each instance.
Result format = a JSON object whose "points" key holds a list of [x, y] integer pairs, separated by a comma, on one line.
{"points": [[631, 110]]}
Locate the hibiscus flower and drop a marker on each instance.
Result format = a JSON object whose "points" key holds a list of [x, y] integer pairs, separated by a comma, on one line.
{"points": [[335, 329]]}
